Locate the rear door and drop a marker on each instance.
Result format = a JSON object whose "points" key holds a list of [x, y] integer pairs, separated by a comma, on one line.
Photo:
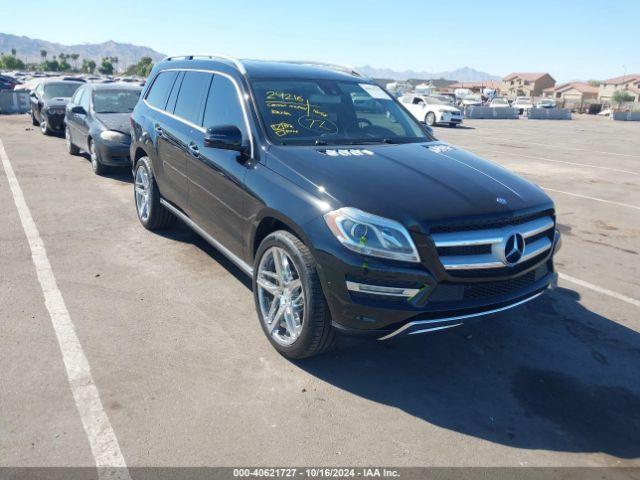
{"points": [[166, 164], [217, 194], [185, 127]]}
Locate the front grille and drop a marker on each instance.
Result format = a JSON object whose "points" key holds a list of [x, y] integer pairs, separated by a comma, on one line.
{"points": [[475, 291], [481, 248], [453, 292]]}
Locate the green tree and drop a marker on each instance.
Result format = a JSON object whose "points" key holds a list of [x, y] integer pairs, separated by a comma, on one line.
{"points": [[43, 54], [50, 66], [106, 67], [10, 62], [142, 68], [594, 83], [64, 65], [13, 52], [621, 96], [88, 66], [74, 57]]}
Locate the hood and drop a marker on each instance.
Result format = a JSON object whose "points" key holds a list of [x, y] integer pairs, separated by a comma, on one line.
{"points": [[115, 121], [57, 102], [417, 184]]}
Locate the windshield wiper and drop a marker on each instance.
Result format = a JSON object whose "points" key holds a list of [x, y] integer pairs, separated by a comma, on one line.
{"points": [[372, 142]]}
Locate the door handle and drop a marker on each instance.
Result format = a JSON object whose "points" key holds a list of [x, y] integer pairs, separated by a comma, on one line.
{"points": [[158, 130], [194, 150]]}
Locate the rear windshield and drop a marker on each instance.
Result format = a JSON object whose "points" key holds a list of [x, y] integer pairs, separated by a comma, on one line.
{"points": [[324, 112], [64, 90], [115, 101]]}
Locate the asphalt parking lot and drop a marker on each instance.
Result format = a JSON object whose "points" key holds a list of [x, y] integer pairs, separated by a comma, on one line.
{"points": [[187, 378]]}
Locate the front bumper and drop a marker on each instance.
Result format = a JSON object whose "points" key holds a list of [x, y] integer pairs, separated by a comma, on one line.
{"points": [[384, 299], [447, 117], [54, 121], [115, 155]]}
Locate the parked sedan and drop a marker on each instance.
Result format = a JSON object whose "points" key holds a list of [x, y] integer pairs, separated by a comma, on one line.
{"points": [[97, 122], [499, 102], [546, 103], [431, 110], [48, 101], [523, 104]]}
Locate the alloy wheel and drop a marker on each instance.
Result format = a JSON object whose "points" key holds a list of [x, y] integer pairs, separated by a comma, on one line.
{"points": [[281, 296], [142, 185], [43, 126], [94, 155]]}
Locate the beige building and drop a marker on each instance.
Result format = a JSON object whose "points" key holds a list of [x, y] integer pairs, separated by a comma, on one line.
{"points": [[573, 92], [526, 84], [630, 82]]}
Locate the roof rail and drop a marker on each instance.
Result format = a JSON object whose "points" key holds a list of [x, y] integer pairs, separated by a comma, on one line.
{"points": [[332, 66], [236, 62]]}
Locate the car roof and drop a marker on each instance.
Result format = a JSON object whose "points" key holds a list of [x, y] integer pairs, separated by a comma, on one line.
{"points": [[113, 86], [254, 69]]}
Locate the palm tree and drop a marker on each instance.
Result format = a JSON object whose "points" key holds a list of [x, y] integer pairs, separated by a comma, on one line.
{"points": [[75, 57], [13, 52], [114, 60], [43, 54]]}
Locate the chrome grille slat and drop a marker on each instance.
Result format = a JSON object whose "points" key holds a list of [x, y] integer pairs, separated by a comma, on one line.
{"points": [[495, 239]]}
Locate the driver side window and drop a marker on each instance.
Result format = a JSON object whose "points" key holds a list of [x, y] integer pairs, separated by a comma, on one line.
{"points": [[418, 101]]}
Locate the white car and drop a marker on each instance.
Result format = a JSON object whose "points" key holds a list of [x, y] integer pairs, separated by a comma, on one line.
{"points": [[473, 100], [499, 102], [546, 103], [431, 110], [523, 104]]}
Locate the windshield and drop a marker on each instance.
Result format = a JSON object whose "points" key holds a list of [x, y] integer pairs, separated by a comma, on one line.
{"points": [[115, 101], [64, 90], [434, 101], [323, 112], [499, 100]]}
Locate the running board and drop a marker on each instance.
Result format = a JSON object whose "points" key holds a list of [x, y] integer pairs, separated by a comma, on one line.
{"points": [[241, 264], [419, 323]]}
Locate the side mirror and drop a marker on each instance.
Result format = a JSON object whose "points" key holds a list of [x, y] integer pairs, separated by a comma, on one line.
{"points": [[79, 110], [226, 137], [32, 94], [428, 129]]}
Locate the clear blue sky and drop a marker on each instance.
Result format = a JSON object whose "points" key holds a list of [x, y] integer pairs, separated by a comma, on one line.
{"points": [[571, 39]]}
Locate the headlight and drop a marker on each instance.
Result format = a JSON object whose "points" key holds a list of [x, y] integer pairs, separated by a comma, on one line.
{"points": [[372, 235], [55, 111], [113, 136]]}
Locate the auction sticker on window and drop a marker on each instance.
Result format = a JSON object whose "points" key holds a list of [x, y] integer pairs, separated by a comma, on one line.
{"points": [[374, 91]]}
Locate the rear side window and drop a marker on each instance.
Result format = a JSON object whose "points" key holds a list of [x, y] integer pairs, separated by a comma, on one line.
{"points": [[157, 96], [190, 100], [223, 106]]}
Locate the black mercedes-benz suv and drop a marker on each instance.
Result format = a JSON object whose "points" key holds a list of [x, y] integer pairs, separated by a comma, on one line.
{"points": [[349, 215]]}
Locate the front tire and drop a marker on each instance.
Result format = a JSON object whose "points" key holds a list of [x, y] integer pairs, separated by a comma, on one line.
{"points": [[291, 306], [44, 127], [34, 120], [97, 166], [151, 213], [430, 119], [71, 148]]}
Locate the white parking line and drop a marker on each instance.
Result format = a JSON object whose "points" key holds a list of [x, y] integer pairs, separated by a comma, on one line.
{"points": [[568, 163], [593, 198], [102, 439], [595, 288], [561, 147]]}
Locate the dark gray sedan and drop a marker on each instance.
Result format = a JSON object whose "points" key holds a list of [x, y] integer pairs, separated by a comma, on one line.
{"points": [[97, 122]]}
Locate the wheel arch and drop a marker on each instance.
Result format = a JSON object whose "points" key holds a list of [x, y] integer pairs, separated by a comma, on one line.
{"points": [[271, 221]]}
